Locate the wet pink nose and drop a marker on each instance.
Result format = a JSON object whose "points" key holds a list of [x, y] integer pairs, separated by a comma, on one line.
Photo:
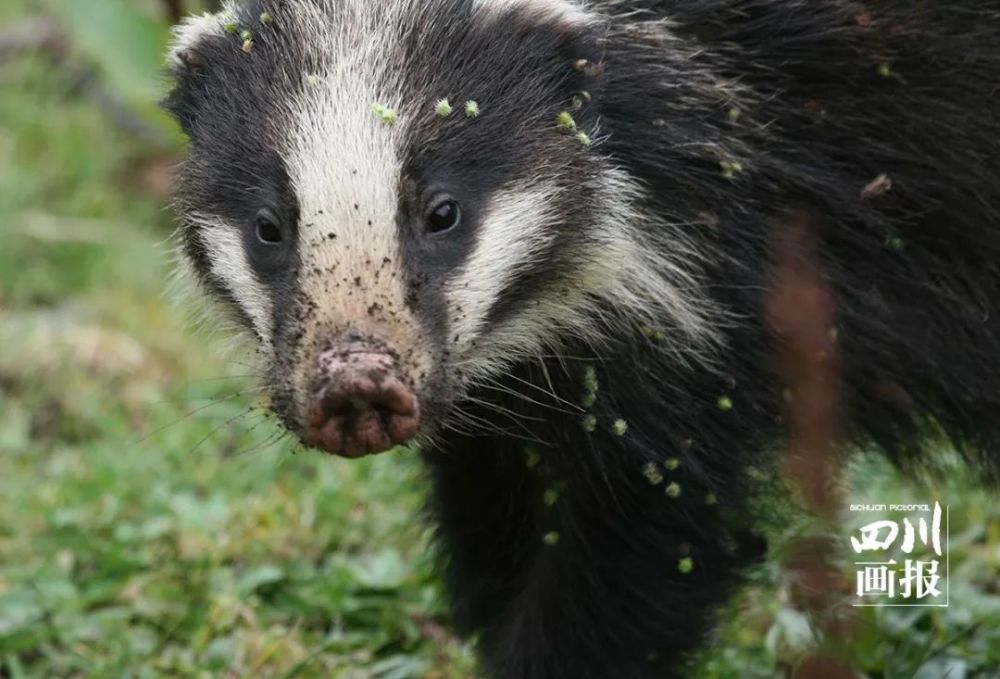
{"points": [[362, 406]]}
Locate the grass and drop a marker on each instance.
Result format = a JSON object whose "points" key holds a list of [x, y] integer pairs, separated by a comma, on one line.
{"points": [[151, 524]]}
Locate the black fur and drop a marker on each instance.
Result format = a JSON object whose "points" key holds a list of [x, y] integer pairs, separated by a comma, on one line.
{"points": [[829, 95], [734, 116]]}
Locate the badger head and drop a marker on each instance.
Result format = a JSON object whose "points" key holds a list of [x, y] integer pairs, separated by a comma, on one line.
{"points": [[399, 200]]}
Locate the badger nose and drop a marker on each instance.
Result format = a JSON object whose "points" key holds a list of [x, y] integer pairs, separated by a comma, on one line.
{"points": [[361, 406]]}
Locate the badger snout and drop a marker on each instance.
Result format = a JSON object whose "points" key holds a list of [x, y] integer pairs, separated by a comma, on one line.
{"points": [[360, 404]]}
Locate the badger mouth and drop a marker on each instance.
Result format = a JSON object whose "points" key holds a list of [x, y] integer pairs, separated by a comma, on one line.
{"points": [[360, 403]]}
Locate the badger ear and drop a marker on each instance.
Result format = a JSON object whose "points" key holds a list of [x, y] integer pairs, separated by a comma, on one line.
{"points": [[187, 65]]}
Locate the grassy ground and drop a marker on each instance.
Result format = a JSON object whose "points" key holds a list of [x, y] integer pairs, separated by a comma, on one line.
{"points": [[153, 524]]}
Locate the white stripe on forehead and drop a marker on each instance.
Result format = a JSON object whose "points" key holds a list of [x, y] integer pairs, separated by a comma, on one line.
{"points": [[345, 169]]}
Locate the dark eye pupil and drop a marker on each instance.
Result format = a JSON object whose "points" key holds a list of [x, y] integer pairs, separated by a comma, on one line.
{"points": [[267, 231], [445, 216]]}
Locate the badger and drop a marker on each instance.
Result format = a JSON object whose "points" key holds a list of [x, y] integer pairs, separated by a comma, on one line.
{"points": [[540, 241]]}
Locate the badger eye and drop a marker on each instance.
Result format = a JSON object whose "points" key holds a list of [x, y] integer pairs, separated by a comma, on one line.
{"points": [[444, 216], [268, 231]]}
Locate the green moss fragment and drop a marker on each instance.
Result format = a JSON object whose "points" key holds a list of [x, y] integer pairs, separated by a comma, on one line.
{"points": [[551, 538], [652, 473], [266, 18], [471, 109], [685, 565], [653, 333], [583, 138], [730, 168], [885, 70], [590, 386], [619, 427], [550, 496], [385, 114], [580, 99], [673, 489], [589, 423], [565, 122], [246, 35], [312, 80], [711, 499], [532, 458], [230, 27], [442, 109], [672, 464], [725, 403]]}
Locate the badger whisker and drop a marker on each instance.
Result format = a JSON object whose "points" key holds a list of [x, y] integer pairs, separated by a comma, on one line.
{"points": [[211, 402], [496, 386]]}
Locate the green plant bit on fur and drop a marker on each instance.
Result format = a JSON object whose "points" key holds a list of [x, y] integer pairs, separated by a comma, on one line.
{"points": [[730, 168], [266, 18], [230, 28], [471, 109], [550, 496], [442, 109], [685, 565], [532, 458], [590, 386], [583, 138], [551, 538], [589, 423], [885, 70], [711, 499], [312, 80], [247, 38], [385, 114], [619, 427], [725, 403], [673, 489], [652, 473], [672, 464], [653, 333], [565, 122]]}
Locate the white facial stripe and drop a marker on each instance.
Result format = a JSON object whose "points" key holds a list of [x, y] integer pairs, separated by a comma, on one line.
{"points": [[514, 233], [230, 267], [642, 279], [562, 11], [344, 165]]}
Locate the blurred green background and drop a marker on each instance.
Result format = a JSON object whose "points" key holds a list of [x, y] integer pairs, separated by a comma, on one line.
{"points": [[154, 522]]}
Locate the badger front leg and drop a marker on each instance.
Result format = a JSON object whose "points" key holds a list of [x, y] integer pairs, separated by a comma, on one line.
{"points": [[582, 561]]}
